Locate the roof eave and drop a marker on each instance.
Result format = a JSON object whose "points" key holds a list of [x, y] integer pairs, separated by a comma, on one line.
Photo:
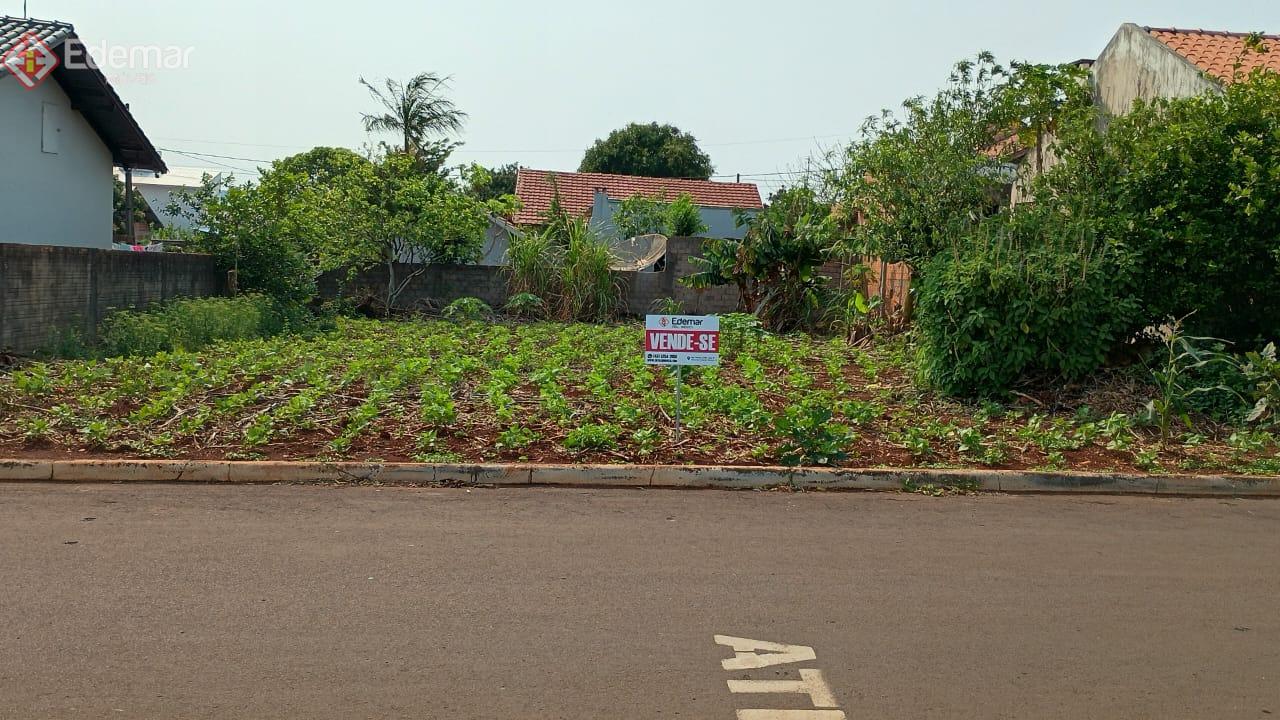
{"points": [[92, 95]]}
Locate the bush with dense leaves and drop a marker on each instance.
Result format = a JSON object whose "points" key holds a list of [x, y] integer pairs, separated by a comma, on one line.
{"points": [[1019, 304], [191, 324], [1200, 180]]}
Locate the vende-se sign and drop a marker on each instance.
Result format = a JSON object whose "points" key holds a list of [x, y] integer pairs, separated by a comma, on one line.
{"points": [[682, 340]]}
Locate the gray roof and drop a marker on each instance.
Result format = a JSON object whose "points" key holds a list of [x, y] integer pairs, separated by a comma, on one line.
{"points": [[90, 94], [49, 32]]}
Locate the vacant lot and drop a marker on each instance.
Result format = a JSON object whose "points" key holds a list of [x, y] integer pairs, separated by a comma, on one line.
{"points": [[435, 391]]}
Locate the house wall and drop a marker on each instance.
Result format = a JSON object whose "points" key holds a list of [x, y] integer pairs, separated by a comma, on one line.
{"points": [[1136, 66], [62, 198], [46, 291], [440, 285], [720, 222], [496, 241]]}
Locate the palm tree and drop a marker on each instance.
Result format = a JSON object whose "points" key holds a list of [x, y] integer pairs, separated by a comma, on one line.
{"points": [[416, 110]]}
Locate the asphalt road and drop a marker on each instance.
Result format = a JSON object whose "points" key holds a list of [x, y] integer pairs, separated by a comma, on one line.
{"points": [[317, 602]]}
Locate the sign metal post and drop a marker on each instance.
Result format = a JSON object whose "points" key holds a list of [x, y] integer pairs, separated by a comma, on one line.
{"points": [[679, 379]]}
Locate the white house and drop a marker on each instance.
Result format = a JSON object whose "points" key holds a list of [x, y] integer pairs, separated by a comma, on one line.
{"points": [[63, 129], [159, 192]]}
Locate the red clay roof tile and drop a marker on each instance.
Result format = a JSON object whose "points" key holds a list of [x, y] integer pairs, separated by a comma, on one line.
{"points": [[1217, 52], [577, 192]]}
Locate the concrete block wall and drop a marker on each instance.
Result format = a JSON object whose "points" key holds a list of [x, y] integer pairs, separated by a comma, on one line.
{"points": [[442, 284], [47, 290]]}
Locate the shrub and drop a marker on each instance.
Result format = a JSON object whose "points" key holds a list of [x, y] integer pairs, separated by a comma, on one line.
{"points": [[737, 330], [684, 219], [775, 267], [467, 308], [526, 305], [1197, 177], [810, 437], [1227, 392], [1010, 305], [191, 324], [1263, 371], [641, 215]]}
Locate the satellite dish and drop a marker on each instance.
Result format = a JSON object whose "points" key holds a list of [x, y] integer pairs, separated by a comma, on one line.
{"points": [[638, 253]]}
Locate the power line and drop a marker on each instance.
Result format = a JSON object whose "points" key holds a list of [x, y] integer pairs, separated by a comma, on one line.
{"points": [[223, 157], [759, 176], [230, 142], [193, 156], [515, 151]]}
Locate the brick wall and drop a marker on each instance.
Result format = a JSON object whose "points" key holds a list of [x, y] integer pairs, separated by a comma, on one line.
{"points": [[442, 284], [47, 290]]}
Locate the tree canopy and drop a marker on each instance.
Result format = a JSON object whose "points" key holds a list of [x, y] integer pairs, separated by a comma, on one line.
{"points": [[649, 150], [330, 208], [485, 183]]}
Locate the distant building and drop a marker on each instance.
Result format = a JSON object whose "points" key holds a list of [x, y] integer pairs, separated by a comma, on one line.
{"points": [[1147, 63], [1144, 63], [597, 196], [62, 130], [159, 193]]}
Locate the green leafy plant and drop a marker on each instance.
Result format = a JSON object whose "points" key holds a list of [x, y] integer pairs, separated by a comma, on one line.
{"points": [[35, 429], [1028, 295], [525, 305], [1263, 371], [1172, 373], [467, 308], [810, 438], [667, 306], [683, 218], [191, 324], [775, 267], [532, 265], [592, 437], [516, 437]]}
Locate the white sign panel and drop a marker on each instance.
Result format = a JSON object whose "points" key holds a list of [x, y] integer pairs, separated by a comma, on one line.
{"points": [[682, 340]]}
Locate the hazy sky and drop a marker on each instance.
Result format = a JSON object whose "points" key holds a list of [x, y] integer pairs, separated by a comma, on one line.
{"points": [[762, 85]]}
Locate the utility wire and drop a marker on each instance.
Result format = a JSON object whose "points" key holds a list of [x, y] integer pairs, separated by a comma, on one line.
{"points": [[193, 154], [211, 155]]}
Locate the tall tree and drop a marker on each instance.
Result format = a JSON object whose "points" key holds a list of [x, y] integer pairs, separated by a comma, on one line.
{"points": [[651, 150], [420, 113], [484, 183]]}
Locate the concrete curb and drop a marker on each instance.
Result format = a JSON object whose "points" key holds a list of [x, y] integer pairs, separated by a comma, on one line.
{"points": [[653, 476]]}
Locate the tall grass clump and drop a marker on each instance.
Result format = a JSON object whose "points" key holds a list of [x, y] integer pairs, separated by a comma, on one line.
{"points": [[190, 324], [533, 264], [568, 266], [590, 291]]}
